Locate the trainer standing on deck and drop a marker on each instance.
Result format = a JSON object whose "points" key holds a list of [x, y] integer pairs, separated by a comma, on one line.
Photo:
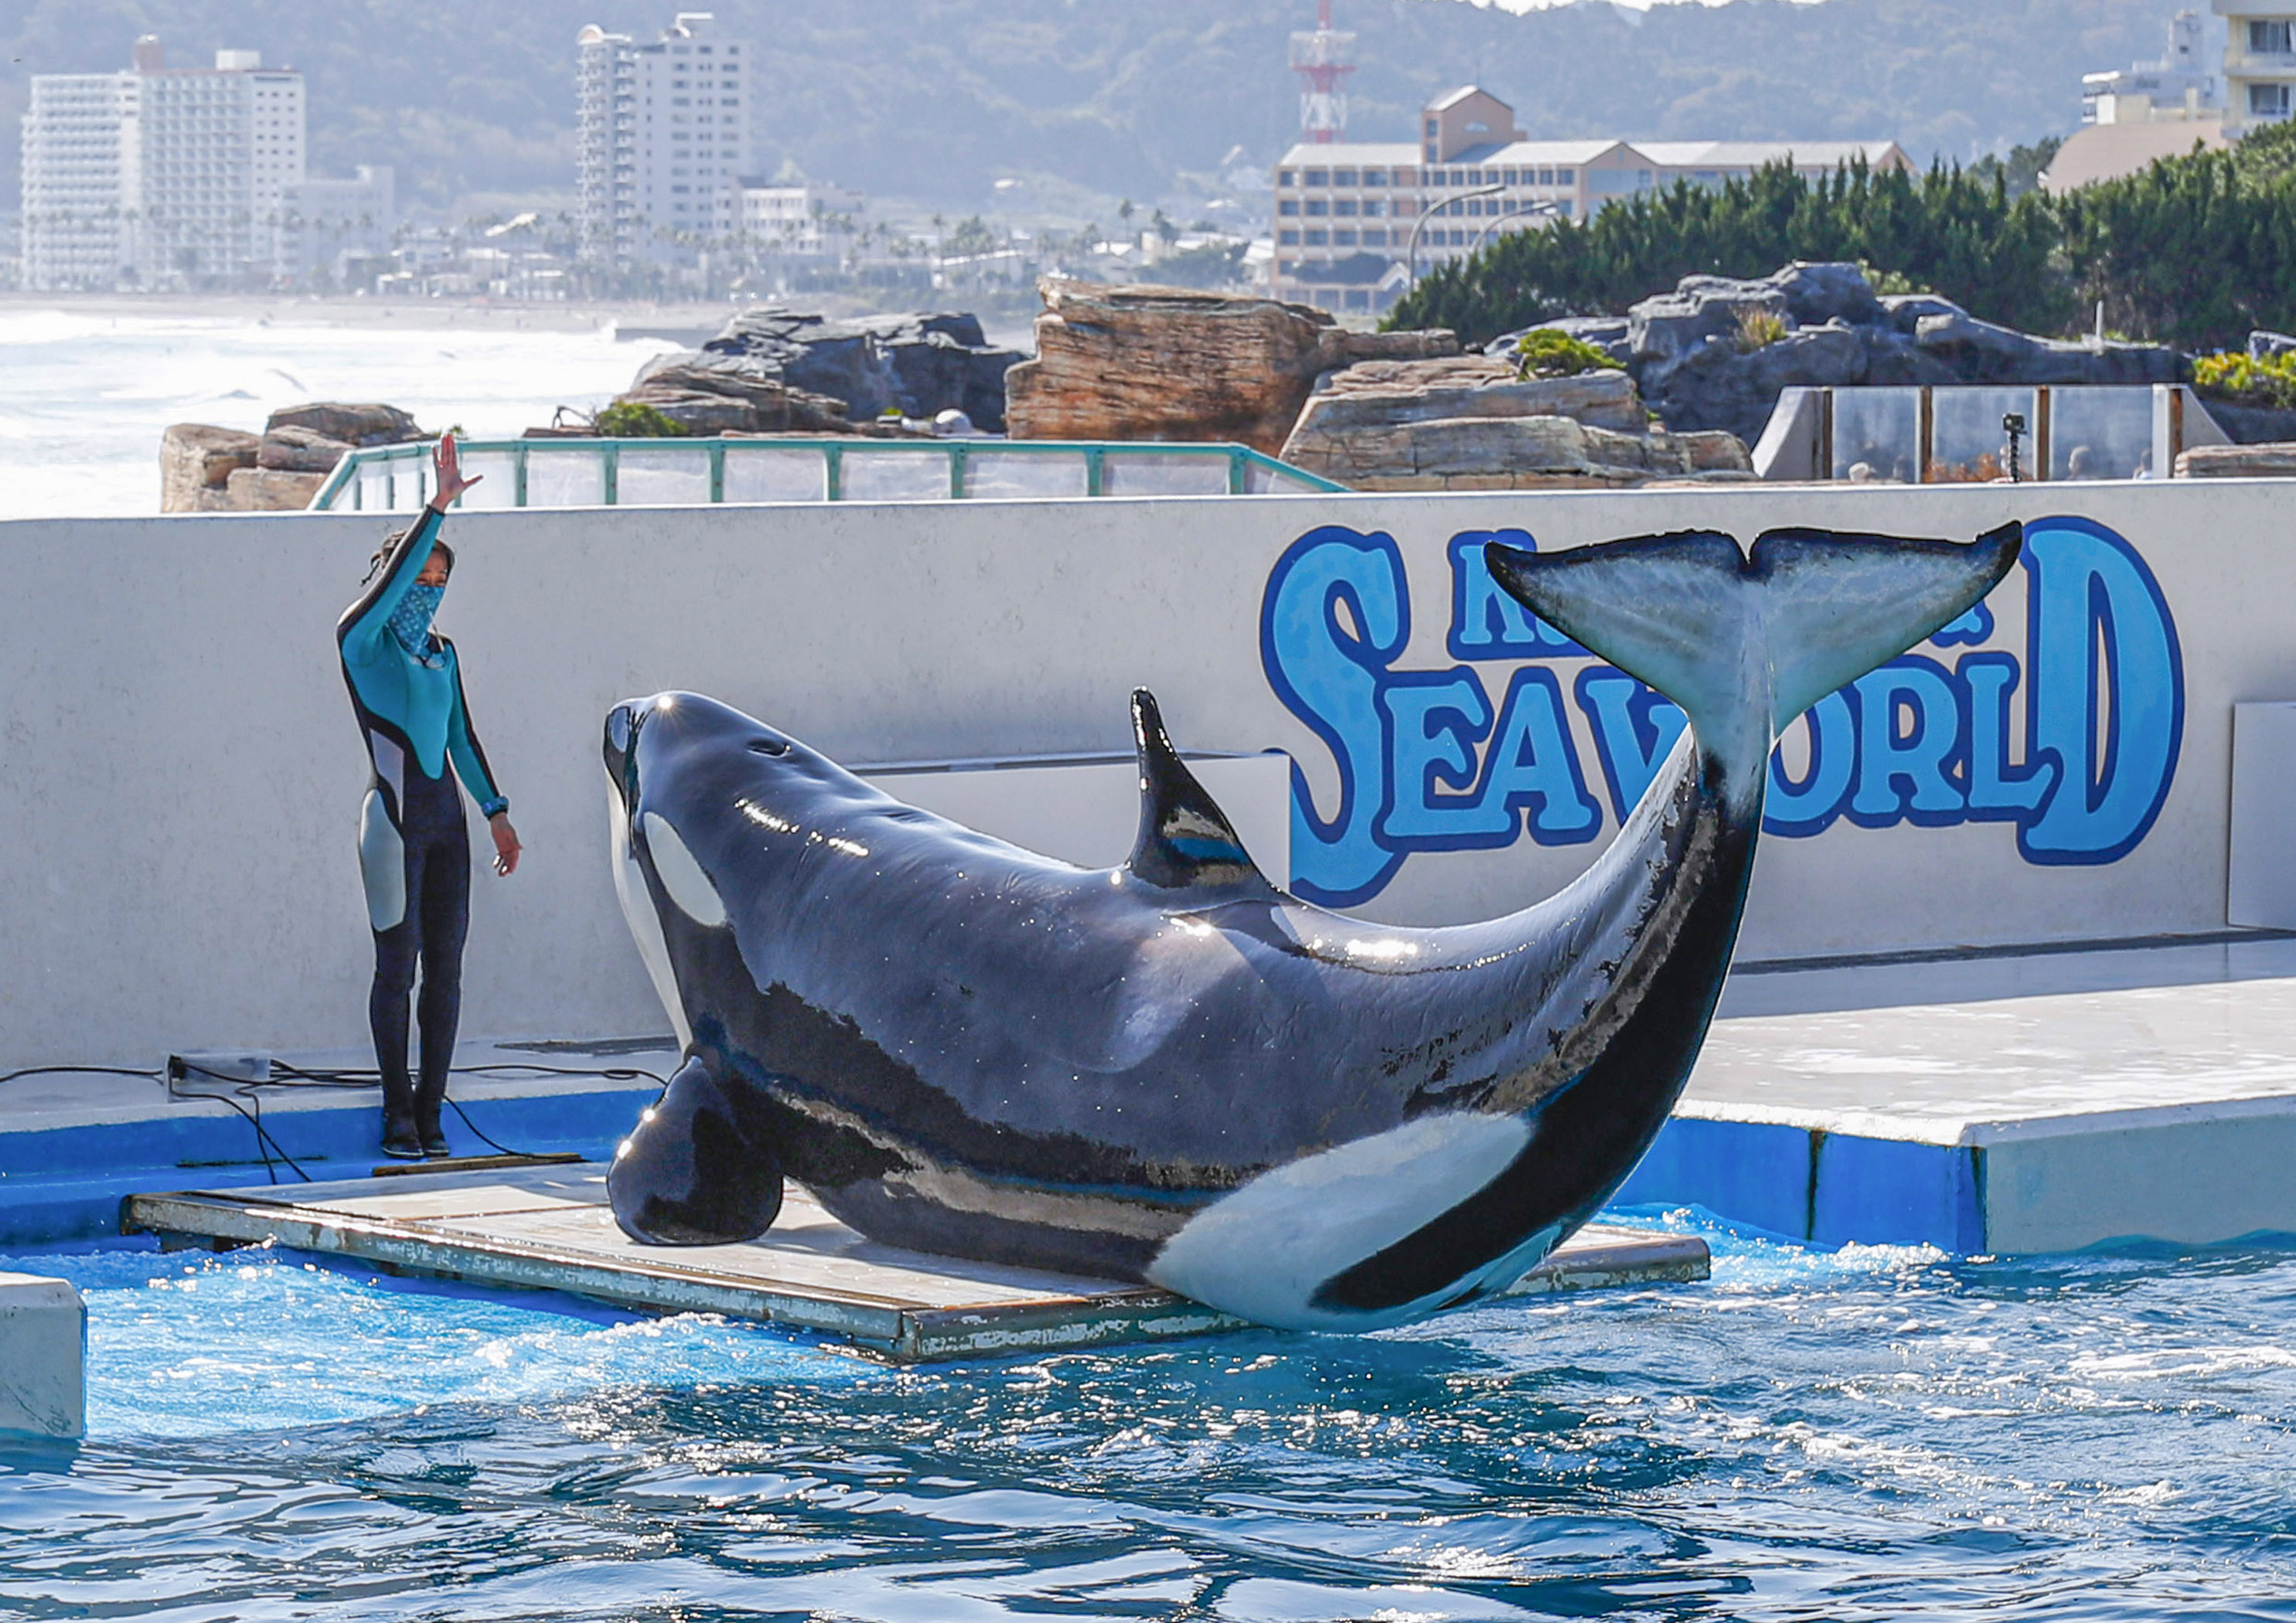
{"points": [[414, 846]]}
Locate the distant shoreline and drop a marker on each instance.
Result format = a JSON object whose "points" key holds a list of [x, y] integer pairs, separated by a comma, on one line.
{"points": [[406, 315], [685, 324]]}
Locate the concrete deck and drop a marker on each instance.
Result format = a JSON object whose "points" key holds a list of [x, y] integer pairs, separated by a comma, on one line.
{"points": [[73, 1146], [1998, 1104], [549, 1229]]}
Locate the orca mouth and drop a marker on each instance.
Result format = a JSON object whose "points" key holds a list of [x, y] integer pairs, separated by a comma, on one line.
{"points": [[619, 748], [694, 724]]}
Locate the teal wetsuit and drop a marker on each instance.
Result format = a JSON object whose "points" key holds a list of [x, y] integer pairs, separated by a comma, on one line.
{"points": [[414, 853]]}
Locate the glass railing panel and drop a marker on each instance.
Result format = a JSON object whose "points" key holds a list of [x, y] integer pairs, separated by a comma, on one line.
{"points": [[1165, 473], [497, 472], [894, 476], [776, 475], [1023, 474], [571, 477], [2098, 433], [1284, 481], [375, 490], [1260, 479], [667, 477], [1967, 442], [1877, 435]]}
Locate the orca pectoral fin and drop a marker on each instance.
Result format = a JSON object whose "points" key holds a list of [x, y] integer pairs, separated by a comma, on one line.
{"points": [[1185, 840], [697, 1169]]}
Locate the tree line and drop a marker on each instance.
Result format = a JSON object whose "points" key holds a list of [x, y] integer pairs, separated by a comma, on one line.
{"points": [[2194, 250]]}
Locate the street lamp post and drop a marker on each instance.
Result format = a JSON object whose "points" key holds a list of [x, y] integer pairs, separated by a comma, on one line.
{"points": [[1542, 206], [1411, 250]]}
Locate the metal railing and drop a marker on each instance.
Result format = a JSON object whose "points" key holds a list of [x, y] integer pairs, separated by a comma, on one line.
{"points": [[696, 473]]}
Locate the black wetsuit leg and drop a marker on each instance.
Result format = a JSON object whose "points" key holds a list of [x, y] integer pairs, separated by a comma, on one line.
{"points": [[435, 923]]}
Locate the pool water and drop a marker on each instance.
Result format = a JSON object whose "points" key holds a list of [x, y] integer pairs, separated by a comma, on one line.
{"points": [[1871, 1433]]}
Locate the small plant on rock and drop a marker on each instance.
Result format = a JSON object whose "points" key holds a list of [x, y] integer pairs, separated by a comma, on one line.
{"points": [[635, 420], [2244, 381], [1759, 328], [1544, 352]]}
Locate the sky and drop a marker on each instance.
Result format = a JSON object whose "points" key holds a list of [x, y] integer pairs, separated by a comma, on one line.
{"points": [[1632, 5]]}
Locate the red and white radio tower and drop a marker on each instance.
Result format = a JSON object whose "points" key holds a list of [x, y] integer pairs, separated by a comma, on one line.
{"points": [[1322, 59]]}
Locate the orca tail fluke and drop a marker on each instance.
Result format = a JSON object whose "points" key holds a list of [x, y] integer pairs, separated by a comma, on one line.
{"points": [[1746, 644]]}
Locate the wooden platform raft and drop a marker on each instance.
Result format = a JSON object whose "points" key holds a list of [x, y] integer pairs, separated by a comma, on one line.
{"points": [[549, 1229]]}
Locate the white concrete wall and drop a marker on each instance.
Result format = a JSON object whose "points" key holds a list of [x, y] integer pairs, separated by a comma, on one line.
{"points": [[183, 774], [43, 1358]]}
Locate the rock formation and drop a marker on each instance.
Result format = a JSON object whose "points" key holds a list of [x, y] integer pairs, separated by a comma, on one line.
{"points": [[1716, 352], [719, 394], [1469, 424], [196, 461], [204, 469], [1163, 363], [2266, 461], [777, 370]]}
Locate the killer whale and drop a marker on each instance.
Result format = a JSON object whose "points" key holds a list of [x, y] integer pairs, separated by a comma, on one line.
{"points": [[1172, 1070]]}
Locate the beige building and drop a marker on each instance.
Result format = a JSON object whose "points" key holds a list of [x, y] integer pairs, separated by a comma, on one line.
{"points": [[2108, 152], [1351, 217]]}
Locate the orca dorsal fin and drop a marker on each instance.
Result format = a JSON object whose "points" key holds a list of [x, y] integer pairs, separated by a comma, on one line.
{"points": [[1185, 840]]}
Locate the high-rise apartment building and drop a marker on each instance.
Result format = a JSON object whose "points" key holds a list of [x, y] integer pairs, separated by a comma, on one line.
{"points": [[159, 177], [212, 151], [2260, 62], [74, 205], [663, 138]]}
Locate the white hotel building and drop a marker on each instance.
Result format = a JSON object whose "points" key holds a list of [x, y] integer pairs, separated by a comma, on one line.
{"points": [[662, 139], [805, 221], [1347, 212], [159, 177]]}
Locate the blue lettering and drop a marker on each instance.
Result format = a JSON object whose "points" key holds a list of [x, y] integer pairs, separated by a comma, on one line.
{"points": [[1435, 719], [1336, 613], [1486, 622], [1634, 731], [1997, 789], [1971, 629], [1798, 810], [1909, 731], [1424, 762], [2102, 648], [1531, 763]]}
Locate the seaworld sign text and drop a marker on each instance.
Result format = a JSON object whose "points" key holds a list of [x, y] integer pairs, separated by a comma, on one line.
{"points": [[1447, 760]]}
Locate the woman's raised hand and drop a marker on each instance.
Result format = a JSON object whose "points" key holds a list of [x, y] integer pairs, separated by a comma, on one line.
{"points": [[448, 466]]}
